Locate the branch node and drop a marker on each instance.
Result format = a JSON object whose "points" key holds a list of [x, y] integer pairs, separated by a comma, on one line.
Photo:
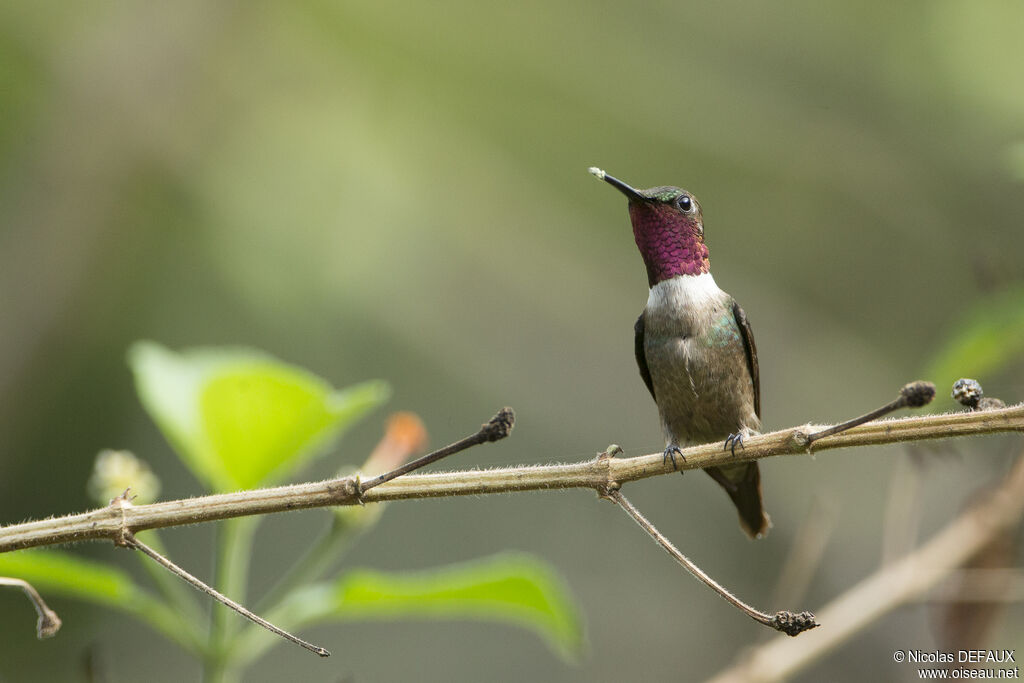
{"points": [[608, 491], [356, 489], [793, 624], [345, 489], [605, 490], [801, 438], [123, 535]]}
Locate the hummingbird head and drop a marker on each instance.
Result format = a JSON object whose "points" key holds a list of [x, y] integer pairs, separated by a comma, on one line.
{"points": [[668, 228]]}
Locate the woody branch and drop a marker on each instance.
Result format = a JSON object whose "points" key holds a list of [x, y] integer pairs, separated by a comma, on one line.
{"points": [[108, 523]]}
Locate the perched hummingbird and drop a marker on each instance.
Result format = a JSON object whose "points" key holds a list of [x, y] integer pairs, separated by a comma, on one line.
{"points": [[693, 344]]}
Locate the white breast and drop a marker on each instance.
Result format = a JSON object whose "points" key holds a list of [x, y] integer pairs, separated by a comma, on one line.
{"points": [[686, 292]]}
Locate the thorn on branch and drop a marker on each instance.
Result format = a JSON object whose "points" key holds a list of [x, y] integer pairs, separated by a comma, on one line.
{"points": [[913, 395]]}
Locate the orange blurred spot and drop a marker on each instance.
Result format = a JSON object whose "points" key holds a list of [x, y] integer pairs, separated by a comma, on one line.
{"points": [[404, 435], [407, 431]]}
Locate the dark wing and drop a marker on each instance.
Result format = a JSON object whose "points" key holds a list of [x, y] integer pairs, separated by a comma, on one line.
{"points": [[751, 350], [641, 358]]}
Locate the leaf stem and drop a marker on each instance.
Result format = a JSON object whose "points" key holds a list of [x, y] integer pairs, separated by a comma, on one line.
{"points": [[232, 570], [312, 565]]}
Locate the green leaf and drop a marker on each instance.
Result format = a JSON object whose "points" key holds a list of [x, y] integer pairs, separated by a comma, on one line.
{"points": [[513, 588], [53, 572], [240, 418], [982, 341]]}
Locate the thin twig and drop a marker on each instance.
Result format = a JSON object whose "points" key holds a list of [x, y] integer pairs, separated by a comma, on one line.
{"points": [[105, 524], [129, 540], [496, 429], [48, 622], [913, 395], [891, 586], [787, 622]]}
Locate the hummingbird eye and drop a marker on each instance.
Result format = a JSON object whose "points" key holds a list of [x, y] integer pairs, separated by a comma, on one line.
{"points": [[684, 203]]}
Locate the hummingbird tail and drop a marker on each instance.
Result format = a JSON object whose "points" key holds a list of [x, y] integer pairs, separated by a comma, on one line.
{"points": [[743, 484]]}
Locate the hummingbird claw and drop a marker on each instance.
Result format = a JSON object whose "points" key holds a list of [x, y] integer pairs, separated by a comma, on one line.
{"points": [[732, 441], [670, 454]]}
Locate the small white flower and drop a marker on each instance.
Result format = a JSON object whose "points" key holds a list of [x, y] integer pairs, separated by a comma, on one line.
{"points": [[115, 471]]}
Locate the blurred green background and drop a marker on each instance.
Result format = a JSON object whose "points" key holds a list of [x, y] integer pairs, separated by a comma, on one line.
{"points": [[399, 191]]}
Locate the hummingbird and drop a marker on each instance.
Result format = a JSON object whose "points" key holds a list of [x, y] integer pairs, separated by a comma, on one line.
{"points": [[693, 343]]}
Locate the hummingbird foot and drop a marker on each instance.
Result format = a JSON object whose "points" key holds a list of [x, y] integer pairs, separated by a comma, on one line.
{"points": [[732, 441], [670, 454]]}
